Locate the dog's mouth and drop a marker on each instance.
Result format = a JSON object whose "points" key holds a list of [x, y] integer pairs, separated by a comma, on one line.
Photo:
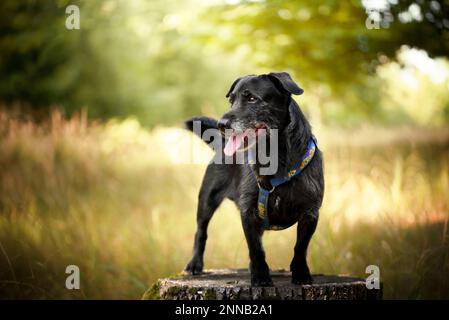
{"points": [[241, 141]]}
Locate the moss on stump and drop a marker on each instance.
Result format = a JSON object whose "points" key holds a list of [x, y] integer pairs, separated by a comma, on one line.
{"points": [[234, 284]]}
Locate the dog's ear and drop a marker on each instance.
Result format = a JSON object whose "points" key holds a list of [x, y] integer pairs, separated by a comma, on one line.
{"points": [[295, 117], [286, 82], [297, 128], [233, 86]]}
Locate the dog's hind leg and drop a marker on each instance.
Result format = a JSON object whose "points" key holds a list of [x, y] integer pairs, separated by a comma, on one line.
{"points": [[212, 193], [299, 268]]}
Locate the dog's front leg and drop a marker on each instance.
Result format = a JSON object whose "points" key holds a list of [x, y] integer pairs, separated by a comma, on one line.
{"points": [[208, 202], [260, 273], [299, 268]]}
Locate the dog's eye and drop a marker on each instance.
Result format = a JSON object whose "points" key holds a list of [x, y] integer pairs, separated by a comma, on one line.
{"points": [[251, 99]]}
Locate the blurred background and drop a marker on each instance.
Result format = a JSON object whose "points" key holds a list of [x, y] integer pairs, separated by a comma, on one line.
{"points": [[91, 138]]}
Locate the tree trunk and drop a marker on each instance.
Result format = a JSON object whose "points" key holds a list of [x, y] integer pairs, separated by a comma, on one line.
{"points": [[232, 284]]}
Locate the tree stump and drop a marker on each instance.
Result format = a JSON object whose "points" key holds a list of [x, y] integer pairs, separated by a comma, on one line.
{"points": [[234, 284]]}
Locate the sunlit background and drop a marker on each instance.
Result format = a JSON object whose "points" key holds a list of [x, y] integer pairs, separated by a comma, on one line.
{"points": [[92, 150]]}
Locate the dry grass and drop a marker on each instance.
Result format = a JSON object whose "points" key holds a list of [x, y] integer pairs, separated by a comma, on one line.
{"points": [[116, 200]]}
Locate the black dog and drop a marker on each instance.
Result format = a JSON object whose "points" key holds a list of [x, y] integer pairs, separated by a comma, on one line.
{"points": [[263, 101]]}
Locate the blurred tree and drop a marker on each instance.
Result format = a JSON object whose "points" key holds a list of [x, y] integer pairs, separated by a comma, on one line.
{"points": [[31, 50], [330, 42], [423, 24], [164, 60], [128, 58]]}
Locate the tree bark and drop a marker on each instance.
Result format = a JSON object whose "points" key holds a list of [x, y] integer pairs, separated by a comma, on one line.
{"points": [[234, 284]]}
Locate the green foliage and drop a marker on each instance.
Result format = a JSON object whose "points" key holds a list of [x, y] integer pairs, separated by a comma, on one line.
{"points": [[328, 47], [124, 60], [427, 28], [153, 293], [163, 60]]}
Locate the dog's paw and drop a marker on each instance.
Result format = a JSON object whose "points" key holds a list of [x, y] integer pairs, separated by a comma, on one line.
{"points": [[194, 267], [261, 282], [300, 273], [304, 278]]}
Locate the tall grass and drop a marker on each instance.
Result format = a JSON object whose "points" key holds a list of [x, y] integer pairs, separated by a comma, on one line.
{"points": [[116, 200]]}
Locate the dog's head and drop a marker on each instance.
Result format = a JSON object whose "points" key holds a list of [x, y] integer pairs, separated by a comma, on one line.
{"points": [[259, 103]]}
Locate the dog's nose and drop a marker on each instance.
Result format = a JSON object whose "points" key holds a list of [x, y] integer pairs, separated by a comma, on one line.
{"points": [[223, 124]]}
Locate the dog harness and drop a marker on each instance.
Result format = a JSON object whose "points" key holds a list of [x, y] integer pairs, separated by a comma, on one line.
{"points": [[262, 202]]}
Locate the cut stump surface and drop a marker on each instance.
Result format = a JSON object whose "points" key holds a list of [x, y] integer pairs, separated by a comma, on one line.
{"points": [[234, 284]]}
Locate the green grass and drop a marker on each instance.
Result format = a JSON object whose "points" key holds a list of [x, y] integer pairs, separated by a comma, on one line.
{"points": [[114, 199]]}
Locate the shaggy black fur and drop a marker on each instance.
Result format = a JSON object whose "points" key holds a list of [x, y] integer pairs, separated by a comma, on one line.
{"points": [[263, 99]]}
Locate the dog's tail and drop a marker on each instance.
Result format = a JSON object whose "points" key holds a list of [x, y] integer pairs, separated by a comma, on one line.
{"points": [[205, 124]]}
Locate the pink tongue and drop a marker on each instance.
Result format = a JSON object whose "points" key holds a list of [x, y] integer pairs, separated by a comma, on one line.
{"points": [[234, 142]]}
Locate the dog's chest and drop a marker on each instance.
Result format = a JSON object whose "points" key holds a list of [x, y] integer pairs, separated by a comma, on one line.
{"points": [[284, 206], [281, 203], [277, 202]]}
